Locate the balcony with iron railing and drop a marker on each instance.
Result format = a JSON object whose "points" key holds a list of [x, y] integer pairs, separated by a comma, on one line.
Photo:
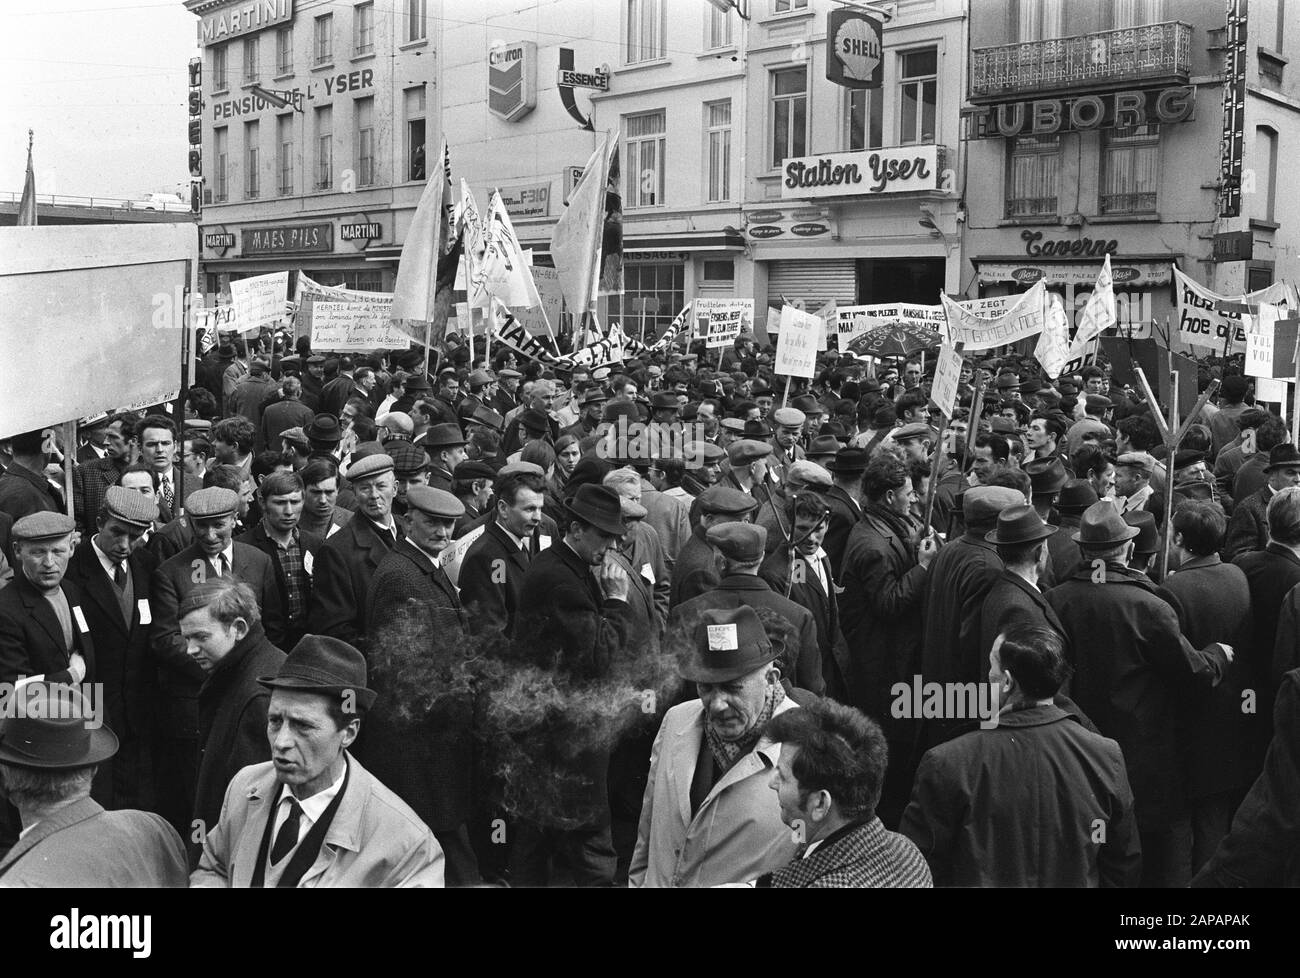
{"points": [[1151, 53]]}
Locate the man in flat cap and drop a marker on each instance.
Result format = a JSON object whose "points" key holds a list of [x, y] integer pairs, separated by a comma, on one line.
{"points": [[505, 400], [696, 570], [1133, 471], [708, 816], [313, 816], [410, 468], [787, 430], [1132, 665], [415, 611], [213, 554], [593, 403], [350, 557], [472, 485], [290, 412], [748, 459], [114, 576], [739, 550], [48, 759]]}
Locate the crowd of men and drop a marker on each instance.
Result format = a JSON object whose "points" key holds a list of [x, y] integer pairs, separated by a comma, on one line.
{"points": [[912, 650]]}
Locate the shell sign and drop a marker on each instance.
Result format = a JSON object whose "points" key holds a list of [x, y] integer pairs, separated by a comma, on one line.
{"points": [[854, 48]]}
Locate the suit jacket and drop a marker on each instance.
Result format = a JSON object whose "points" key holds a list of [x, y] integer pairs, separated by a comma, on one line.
{"points": [[695, 571], [1014, 601], [846, 513], [1251, 477], [866, 855], [279, 417], [1065, 555], [31, 638], [491, 578], [1248, 528], [84, 846], [90, 482], [736, 835], [804, 588], [179, 676], [23, 492], [1132, 665], [750, 589], [883, 590], [646, 557], [960, 579], [1018, 805], [335, 394], [232, 720], [564, 617], [344, 567], [1263, 846], [308, 543], [374, 841], [1218, 737]]}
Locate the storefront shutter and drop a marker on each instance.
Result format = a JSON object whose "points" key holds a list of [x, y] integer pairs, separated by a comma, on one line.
{"points": [[813, 281]]}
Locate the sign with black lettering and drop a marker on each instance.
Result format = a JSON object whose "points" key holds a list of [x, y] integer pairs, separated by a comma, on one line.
{"points": [[289, 239], [1081, 113], [854, 46], [903, 169], [1233, 246]]}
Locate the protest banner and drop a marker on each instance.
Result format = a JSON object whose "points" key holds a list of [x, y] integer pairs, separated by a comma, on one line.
{"points": [[1202, 323], [674, 330], [1025, 318], [452, 557], [363, 325], [853, 321], [947, 376], [259, 301], [796, 344], [720, 321], [537, 319]]}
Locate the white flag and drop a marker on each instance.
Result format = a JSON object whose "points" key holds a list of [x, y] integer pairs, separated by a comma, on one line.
{"points": [[1099, 313], [504, 272], [416, 287], [1053, 349], [575, 242]]}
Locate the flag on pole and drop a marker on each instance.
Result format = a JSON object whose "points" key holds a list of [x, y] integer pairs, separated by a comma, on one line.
{"points": [[674, 329], [470, 222], [575, 242], [1099, 313], [611, 240], [426, 257], [1052, 350], [504, 272], [27, 206]]}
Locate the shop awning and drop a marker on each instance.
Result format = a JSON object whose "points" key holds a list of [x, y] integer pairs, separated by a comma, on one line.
{"points": [[1131, 272]]}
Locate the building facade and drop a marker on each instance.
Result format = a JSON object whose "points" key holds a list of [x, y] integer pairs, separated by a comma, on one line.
{"points": [[325, 176], [1096, 127]]}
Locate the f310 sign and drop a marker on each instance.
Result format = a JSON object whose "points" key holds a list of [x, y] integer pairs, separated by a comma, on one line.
{"points": [[1110, 110]]}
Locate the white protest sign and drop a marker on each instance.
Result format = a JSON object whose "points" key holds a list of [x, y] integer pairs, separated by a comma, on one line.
{"points": [[853, 321], [1270, 390], [259, 301], [796, 344], [722, 320], [1200, 322], [450, 559], [355, 326], [1024, 319], [947, 376], [547, 281]]}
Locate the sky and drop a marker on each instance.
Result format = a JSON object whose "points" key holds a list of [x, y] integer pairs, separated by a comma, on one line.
{"points": [[103, 84]]}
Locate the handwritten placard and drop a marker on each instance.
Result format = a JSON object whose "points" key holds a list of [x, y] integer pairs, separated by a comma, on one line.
{"points": [[361, 325]]}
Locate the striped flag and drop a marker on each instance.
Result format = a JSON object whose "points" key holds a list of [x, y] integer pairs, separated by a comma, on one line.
{"points": [[674, 329]]}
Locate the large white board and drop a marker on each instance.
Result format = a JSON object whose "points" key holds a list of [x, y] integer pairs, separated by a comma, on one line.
{"points": [[91, 319]]}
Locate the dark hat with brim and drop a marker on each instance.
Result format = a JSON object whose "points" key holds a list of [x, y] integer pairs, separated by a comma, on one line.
{"points": [[326, 666], [51, 732], [1018, 525], [1076, 496], [850, 461], [1283, 456], [1147, 539], [1102, 526], [729, 643], [600, 506], [324, 427], [1046, 475]]}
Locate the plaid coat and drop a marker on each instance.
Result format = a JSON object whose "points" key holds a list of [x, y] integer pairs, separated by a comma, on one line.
{"points": [[866, 856]]}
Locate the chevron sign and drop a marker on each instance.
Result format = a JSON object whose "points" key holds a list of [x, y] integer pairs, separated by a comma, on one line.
{"points": [[512, 80]]}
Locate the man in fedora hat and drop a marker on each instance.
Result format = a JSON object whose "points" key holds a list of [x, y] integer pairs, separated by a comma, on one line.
{"points": [[573, 619], [446, 447], [312, 816], [1016, 597], [345, 565], [113, 574], [709, 816], [413, 605], [1248, 529], [48, 759], [1075, 497], [844, 499], [1132, 666]]}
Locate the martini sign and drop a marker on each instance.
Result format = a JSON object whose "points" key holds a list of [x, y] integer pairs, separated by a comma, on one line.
{"points": [[854, 47]]}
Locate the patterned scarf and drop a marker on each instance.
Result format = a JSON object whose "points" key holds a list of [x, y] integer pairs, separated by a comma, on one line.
{"points": [[728, 752]]}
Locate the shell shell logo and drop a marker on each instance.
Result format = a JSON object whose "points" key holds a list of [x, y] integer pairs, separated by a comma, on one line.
{"points": [[858, 48]]}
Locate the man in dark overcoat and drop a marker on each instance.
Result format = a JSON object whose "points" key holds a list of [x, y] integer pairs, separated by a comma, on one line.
{"points": [[694, 572], [1015, 599]]}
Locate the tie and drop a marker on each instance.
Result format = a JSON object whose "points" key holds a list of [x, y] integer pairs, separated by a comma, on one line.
{"points": [[167, 493], [119, 576], [287, 837], [218, 562]]}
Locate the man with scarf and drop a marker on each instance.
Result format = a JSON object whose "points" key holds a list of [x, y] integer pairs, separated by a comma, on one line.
{"points": [[708, 816]]}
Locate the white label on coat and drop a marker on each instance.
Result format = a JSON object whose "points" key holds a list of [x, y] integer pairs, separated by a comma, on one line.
{"points": [[334, 528], [81, 619], [543, 541], [648, 573], [308, 560], [723, 638], [146, 617]]}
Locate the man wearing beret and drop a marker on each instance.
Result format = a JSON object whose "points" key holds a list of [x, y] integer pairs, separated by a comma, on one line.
{"points": [[313, 816], [573, 618], [48, 762], [350, 557], [709, 816], [696, 570], [959, 580], [415, 611], [1132, 665], [114, 576], [213, 553], [740, 549]]}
